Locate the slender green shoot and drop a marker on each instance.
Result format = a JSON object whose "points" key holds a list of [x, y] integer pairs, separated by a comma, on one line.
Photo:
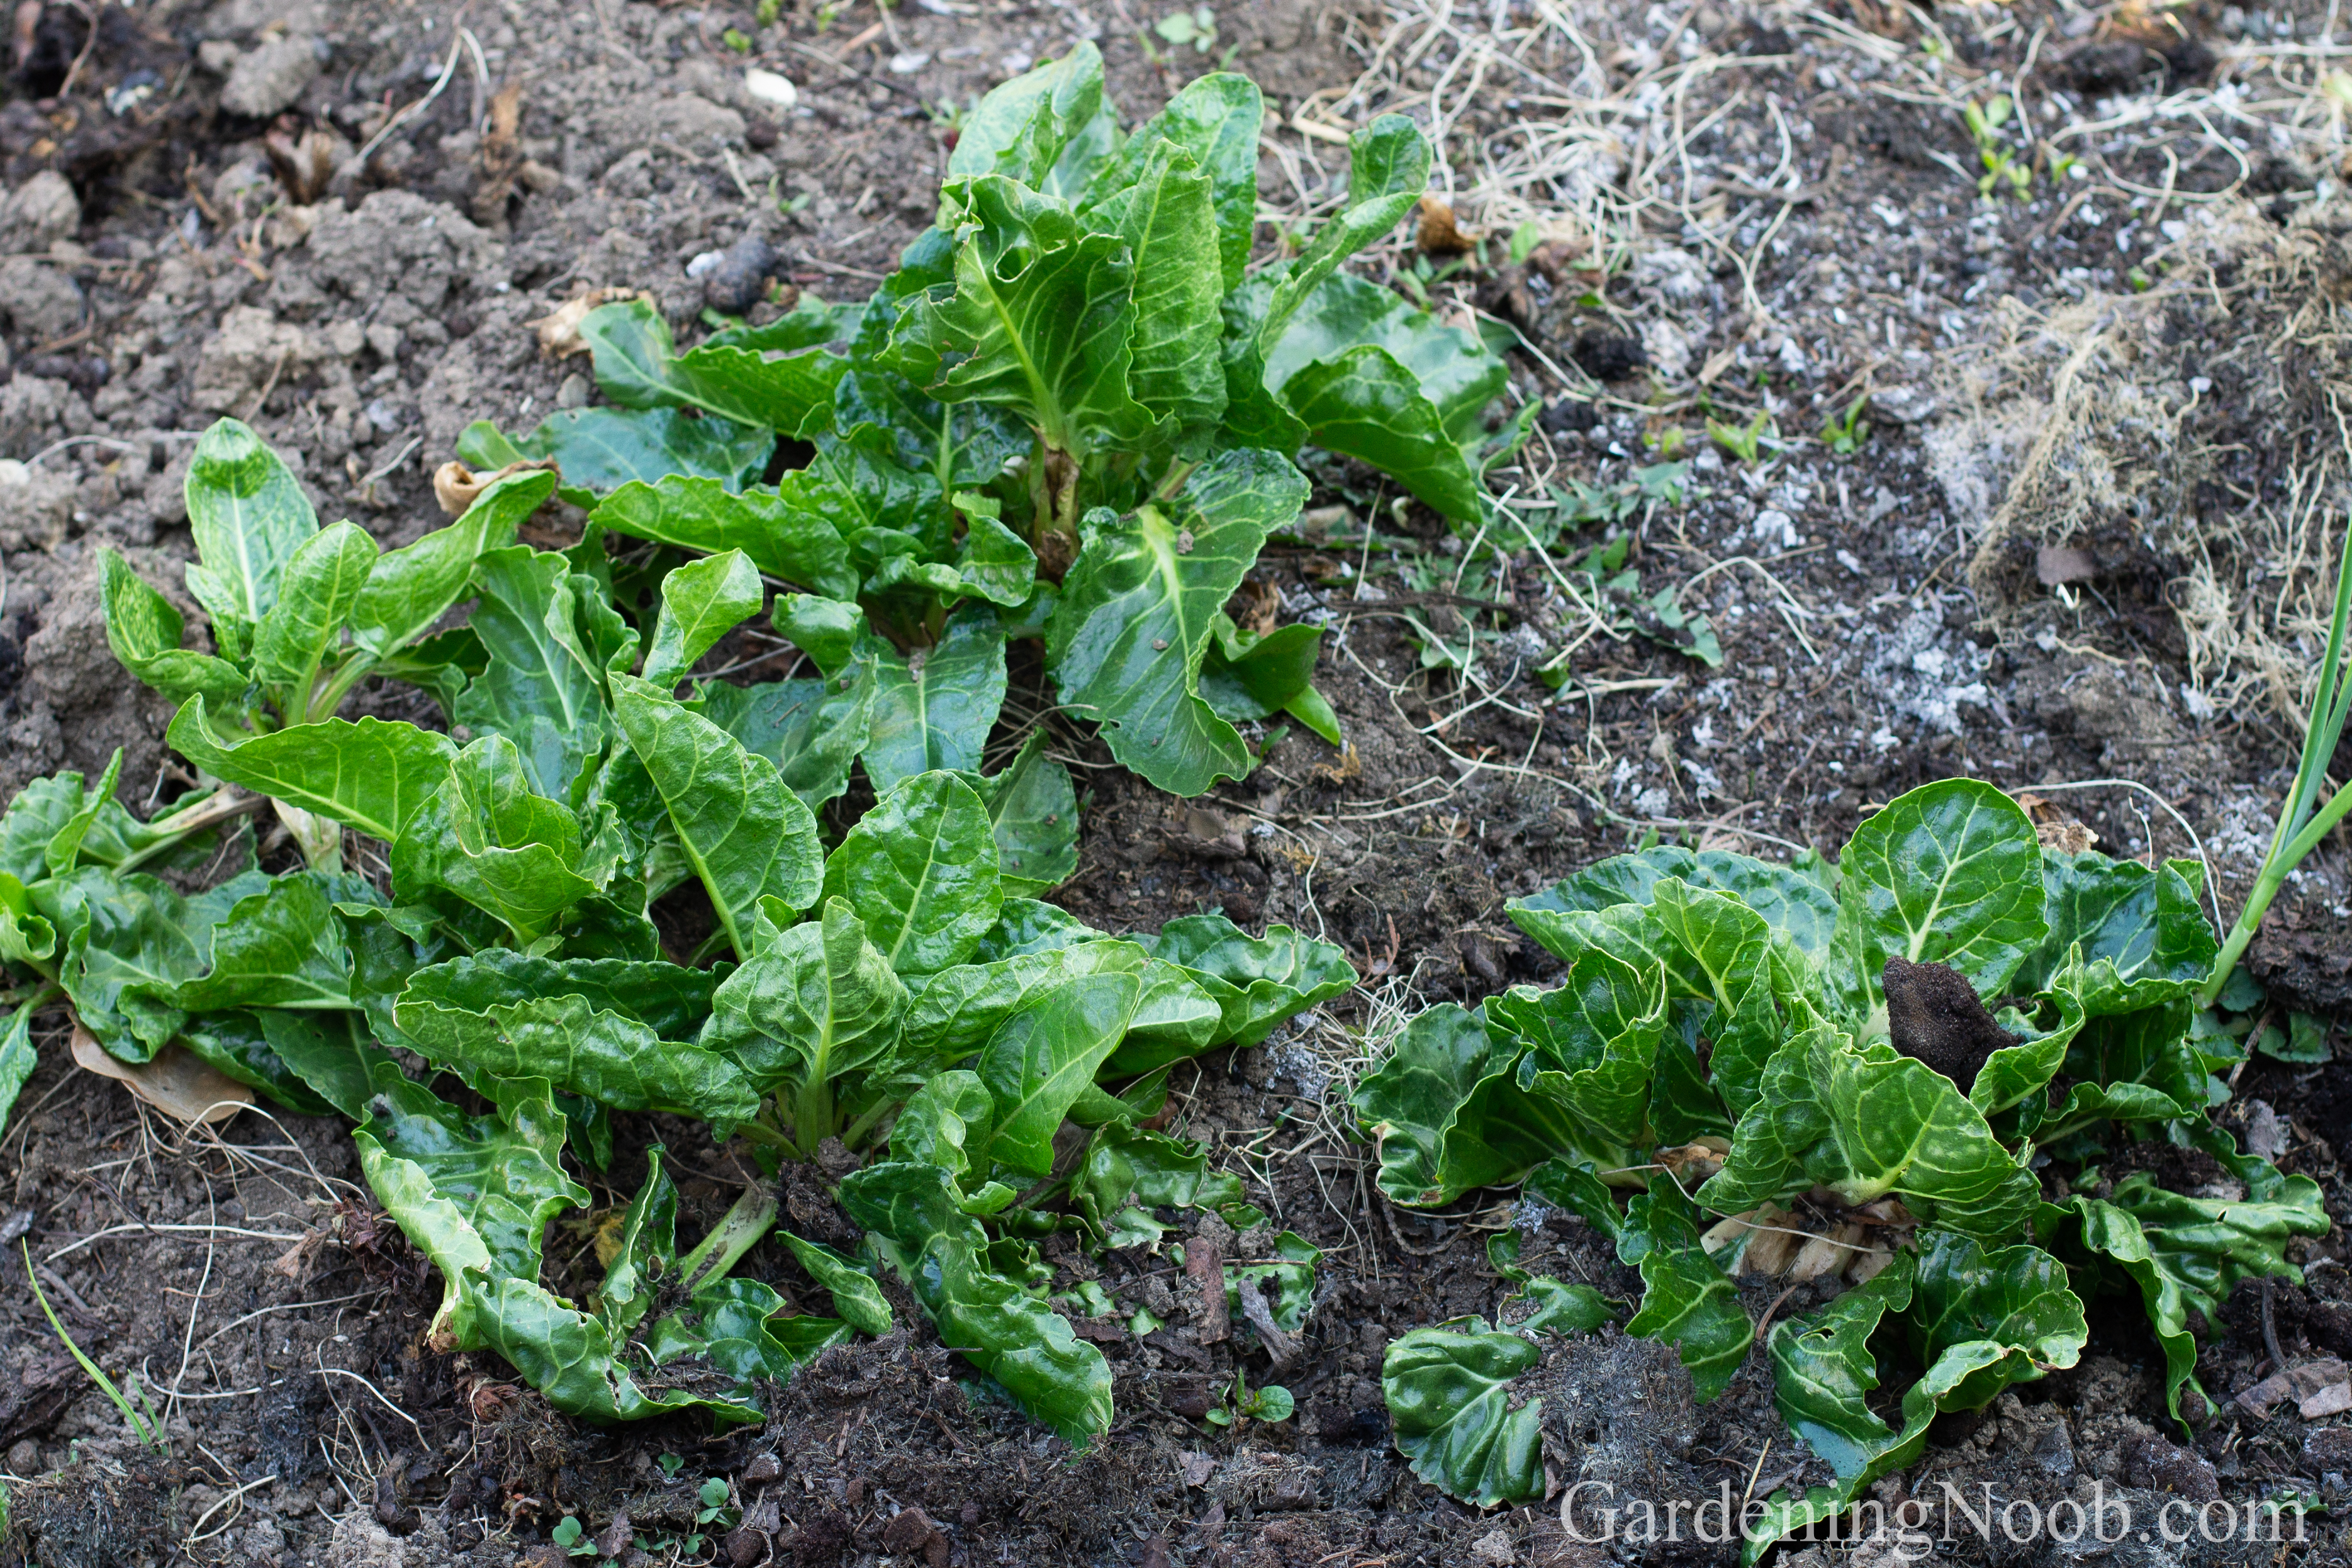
{"points": [[150, 1429], [2303, 821]]}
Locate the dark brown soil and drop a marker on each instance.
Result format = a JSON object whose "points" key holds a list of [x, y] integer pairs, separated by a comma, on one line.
{"points": [[280, 1330]]}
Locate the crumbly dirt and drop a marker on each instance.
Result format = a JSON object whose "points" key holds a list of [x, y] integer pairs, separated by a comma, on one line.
{"points": [[2082, 540]]}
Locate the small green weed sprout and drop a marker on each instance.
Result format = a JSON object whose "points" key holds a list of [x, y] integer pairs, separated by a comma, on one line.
{"points": [[2003, 172], [148, 1428], [1844, 436], [1745, 442]]}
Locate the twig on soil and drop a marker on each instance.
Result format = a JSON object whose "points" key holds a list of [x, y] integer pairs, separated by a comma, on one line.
{"points": [[403, 117], [198, 1532], [141, 1226]]}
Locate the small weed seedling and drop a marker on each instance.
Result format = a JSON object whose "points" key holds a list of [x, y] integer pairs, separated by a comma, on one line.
{"points": [[1746, 442], [1242, 1404], [1197, 28], [148, 1428], [1845, 435], [2002, 172], [572, 1536]]}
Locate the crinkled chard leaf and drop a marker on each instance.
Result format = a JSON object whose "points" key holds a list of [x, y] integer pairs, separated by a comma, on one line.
{"points": [[956, 1010], [127, 944], [1045, 1055], [248, 515], [1045, 128], [702, 601], [818, 1001], [501, 1014], [18, 1058], [487, 838], [2186, 1253], [1370, 377], [542, 687], [279, 947], [408, 590], [1257, 981], [1449, 1393], [811, 730], [1543, 1304], [1800, 907], [857, 1299], [1135, 620], [2144, 939], [933, 706], [1980, 1320], [1592, 1042], [472, 1193], [1686, 1301], [318, 589], [1038, 321], [1033, 811], [1950, 874], [920, 869], [369, 775], [145, 630], [1027, 925], [1214, 120], [1015, 1338], [780, 538], [598, 451], [1864, 1122], [747, 836], [638, 366]]}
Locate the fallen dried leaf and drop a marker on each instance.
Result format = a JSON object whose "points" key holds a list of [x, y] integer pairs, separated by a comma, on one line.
{"points": [[559, 330], [456, 485], [1439, 234], [177, 1082]]}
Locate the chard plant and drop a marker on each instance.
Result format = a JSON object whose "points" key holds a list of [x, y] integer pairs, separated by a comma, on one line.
{"points": [[970, 1067], [1070, 415], [1907, 1071]]}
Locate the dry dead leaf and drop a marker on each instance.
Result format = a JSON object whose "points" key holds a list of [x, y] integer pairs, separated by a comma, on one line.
{"points": [[456, 485], [2056, 828], [559, 330], [1349, 766], [1439, 234], [177, 1082], [1254, 606]]}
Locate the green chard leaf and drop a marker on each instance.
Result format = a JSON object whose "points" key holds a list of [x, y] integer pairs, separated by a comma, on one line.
{"points": [[543, 687], [250, 516], [780, 537], [1045, 128], [598, 451], [1864, 1122], [487, 838], [933, 707], [1033, 811], [1686, 1301], [746, 835], [2145, 940], [1449, 1394], [811, 730], [371, 775], [856, 1297], [920, 869], [1045, 1054], [1137, 612], [145, 630], [819, 1001], [18, 1058], [410, 589], [701, 602], [472, 1193], [639, 367], [1257, 981], [576, 1024], [1950, 874], [943, 1255]]}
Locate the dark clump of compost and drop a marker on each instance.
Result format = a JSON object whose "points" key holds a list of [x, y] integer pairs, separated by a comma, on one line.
{"points": [[1934, 1016]]}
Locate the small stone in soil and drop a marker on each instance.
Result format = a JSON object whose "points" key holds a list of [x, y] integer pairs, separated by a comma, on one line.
{"points": [[735, 285]]}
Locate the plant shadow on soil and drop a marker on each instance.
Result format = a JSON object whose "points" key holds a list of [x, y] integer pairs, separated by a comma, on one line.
{"points": [[281, 1330]]}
